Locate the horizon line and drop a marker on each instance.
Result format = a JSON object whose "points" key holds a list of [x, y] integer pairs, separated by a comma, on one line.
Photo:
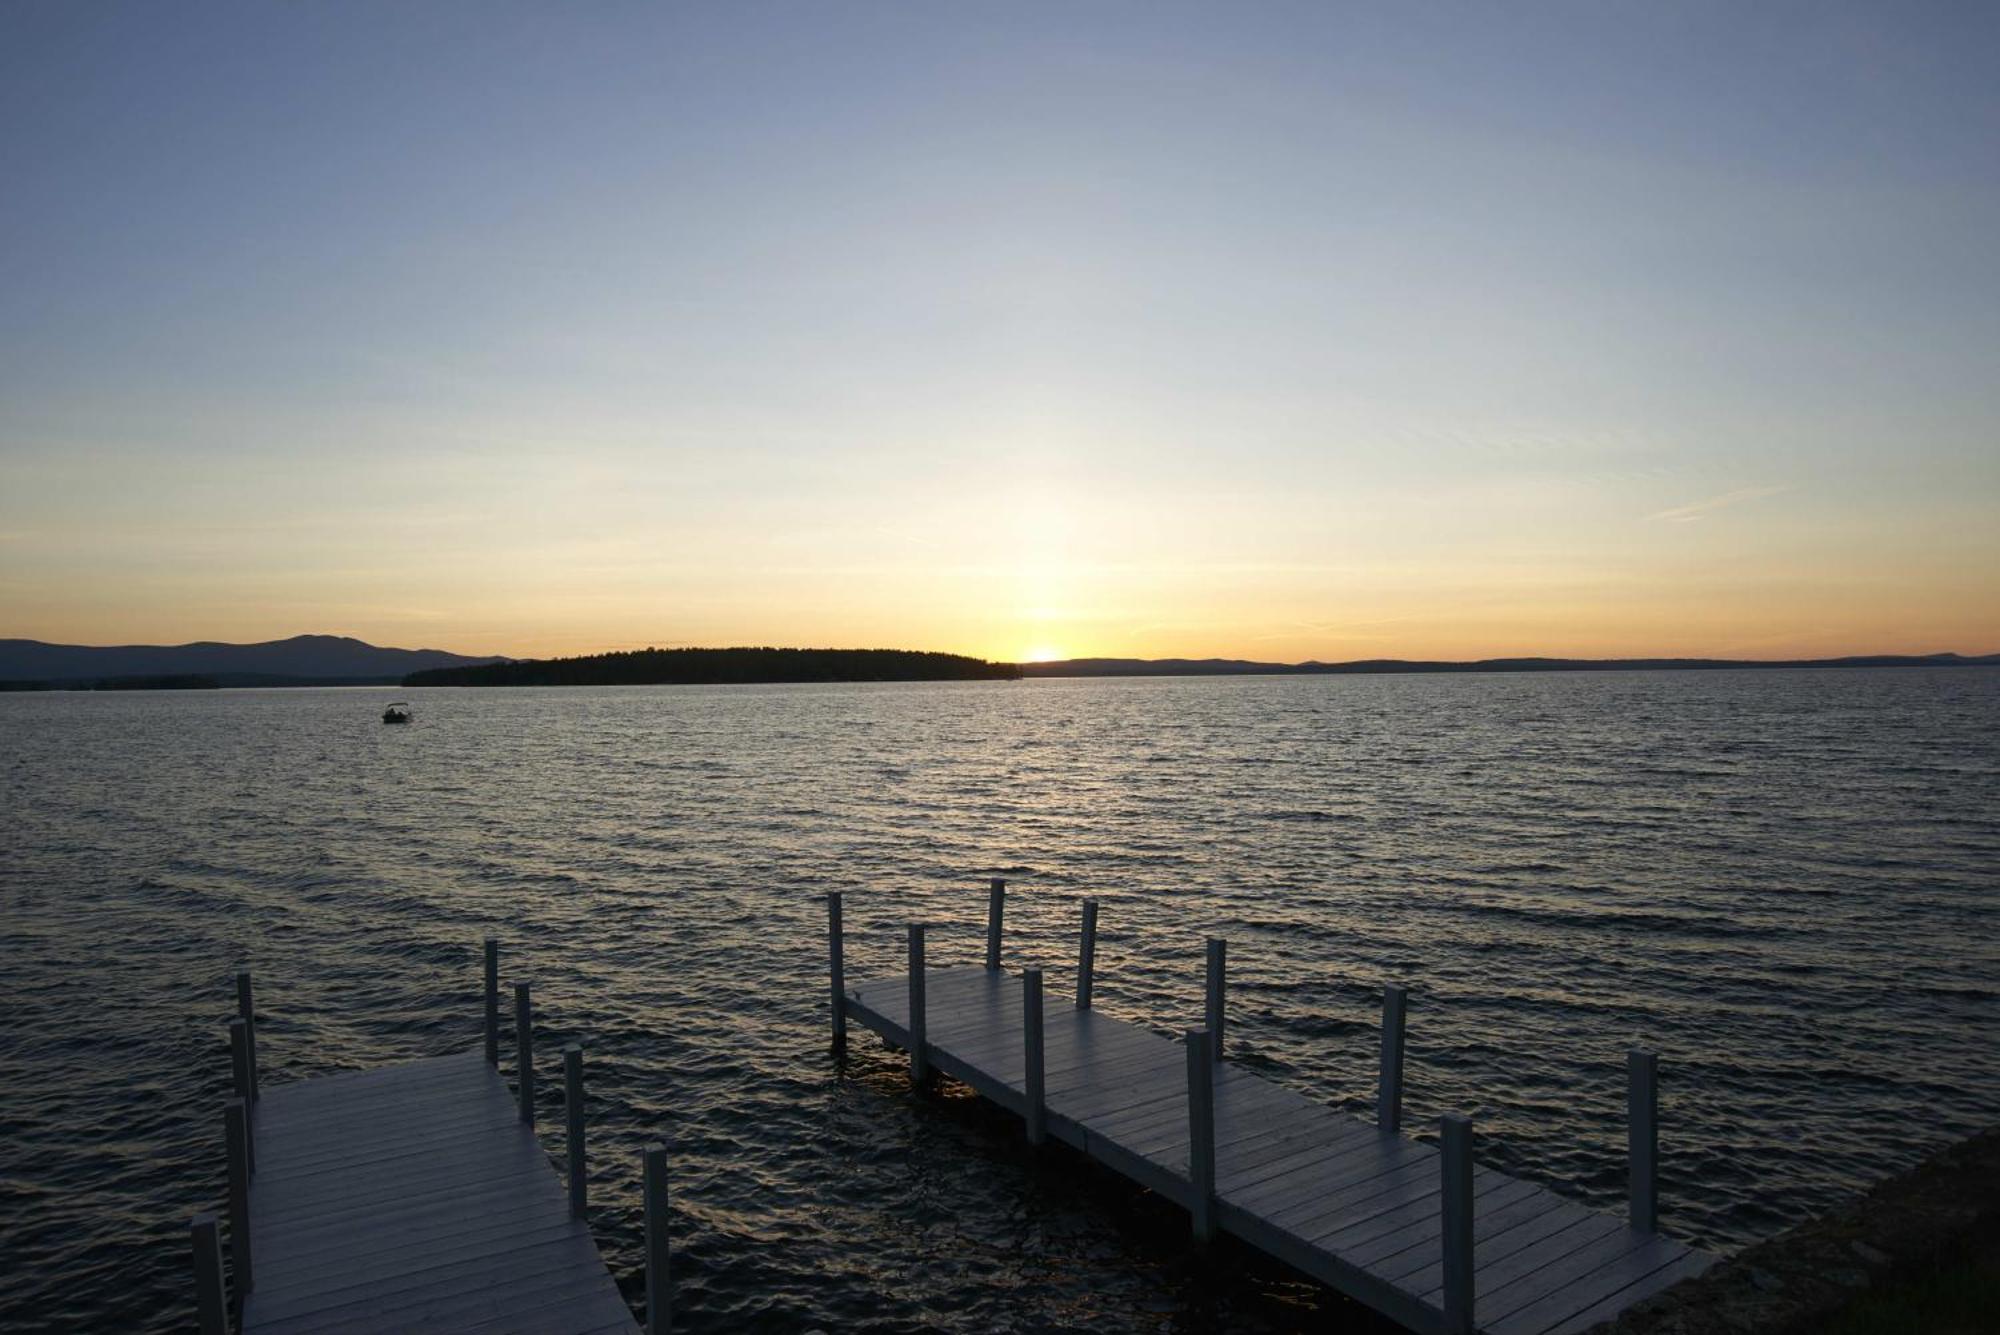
{"points": [[1046, 663]]}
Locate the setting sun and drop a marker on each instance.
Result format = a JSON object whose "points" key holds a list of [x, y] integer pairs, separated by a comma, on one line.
{"points": [[1043, 654]]}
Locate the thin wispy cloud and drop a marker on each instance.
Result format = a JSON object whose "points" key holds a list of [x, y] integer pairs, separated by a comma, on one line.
{"points": [[1687, 514]]}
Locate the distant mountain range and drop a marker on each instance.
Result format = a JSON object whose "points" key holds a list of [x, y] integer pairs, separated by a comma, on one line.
{"points": [[303, 660], [1228, 667], [338, 660]]}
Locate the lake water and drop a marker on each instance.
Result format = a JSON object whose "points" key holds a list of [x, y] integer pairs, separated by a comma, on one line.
{"points": [[1783, 881]]}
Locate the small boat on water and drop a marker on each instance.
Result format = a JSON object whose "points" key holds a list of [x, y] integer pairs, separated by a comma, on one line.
{"points": [[398, 712]]}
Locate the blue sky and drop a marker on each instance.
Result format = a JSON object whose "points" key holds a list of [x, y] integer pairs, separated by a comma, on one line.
{"points": [[1282, 331]]}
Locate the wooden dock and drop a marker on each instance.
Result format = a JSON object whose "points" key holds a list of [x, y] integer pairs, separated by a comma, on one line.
{"points": [[1416, 1232], [412, 1198]]}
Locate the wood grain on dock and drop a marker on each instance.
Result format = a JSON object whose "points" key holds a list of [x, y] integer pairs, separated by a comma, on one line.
{"points": [[414, 1197], [1352, 1203]]}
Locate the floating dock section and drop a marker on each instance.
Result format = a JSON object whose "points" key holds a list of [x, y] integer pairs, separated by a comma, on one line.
{"points": [[1417, 1232], [412, 1198]]}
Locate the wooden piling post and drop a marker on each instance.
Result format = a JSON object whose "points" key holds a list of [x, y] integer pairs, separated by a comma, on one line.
{"points": [[239, 1060], [996, 903], [1037, 1112], [659, 1279], [211, 1298], [493, 1002], [524, 1051], [1086, 955], [1201, 1134], [1389, 1097], [246, 1010], [1456, 1191], [920, 1067], [836, 969], [1642, 1104], [579, 1183], [236, 1135], [1217, 952]]}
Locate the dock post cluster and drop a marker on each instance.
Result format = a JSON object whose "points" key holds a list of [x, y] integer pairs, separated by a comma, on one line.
{"points": [[1410, 1229]]}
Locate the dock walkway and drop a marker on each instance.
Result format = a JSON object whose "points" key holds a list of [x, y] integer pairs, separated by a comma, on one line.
{"points": [[1412, 1231], [414, 1198]]}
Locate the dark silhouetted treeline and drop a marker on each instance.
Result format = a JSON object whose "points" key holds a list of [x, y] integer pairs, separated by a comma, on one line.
{"points": [[172, 681], [702, 667], [1228, 667]]}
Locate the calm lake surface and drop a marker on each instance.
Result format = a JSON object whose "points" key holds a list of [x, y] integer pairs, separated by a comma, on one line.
{"points": [[1784, 881]]}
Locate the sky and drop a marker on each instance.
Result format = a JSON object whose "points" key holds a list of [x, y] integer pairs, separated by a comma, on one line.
{"points": [[1271, 331]]}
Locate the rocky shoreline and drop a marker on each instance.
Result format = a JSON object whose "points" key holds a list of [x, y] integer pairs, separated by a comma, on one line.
{"points": [[1943, 1213]]}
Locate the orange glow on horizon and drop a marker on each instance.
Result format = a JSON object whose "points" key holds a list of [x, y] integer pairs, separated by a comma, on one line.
{"points": [[1091, 570]]}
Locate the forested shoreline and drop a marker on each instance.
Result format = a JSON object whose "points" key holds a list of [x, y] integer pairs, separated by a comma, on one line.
{"points": [[740, 666]]}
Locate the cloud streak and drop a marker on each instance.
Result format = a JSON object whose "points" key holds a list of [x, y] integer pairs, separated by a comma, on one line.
{"points": [[1687, 514]]}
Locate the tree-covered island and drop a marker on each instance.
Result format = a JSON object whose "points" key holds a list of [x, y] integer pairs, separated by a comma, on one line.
{"points": [[743, 666]]}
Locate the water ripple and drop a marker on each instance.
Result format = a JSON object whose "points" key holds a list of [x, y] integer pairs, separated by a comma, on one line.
{"points": [[1783, 881]]}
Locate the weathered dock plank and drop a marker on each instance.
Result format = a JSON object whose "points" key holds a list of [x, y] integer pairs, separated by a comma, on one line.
{"points": [[1350, 1202], [414, 1198]]}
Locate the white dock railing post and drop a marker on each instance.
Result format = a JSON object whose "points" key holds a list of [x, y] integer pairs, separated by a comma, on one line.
{"points": [[493, 1002], [211, 1298], [1201, 1135], [239, 1060], [1456, 1218], [246, 1010], [1389, 1098], [236, 1135], [524, 1051], [836, 969], [579, 1181], [659, 1279], [1086, 955], [1642, 1104], [1217, 953], [1037, 1112], [996, 903], [920, 1067]]}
